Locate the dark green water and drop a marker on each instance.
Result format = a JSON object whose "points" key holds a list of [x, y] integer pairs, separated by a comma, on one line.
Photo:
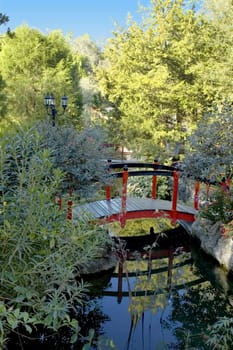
{"points": [[166, 303], [162, 299]]}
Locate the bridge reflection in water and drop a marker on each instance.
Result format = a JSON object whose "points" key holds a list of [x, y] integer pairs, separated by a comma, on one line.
{"points": [[146, 279], [143, 269], [155, 297], [142, 257]]}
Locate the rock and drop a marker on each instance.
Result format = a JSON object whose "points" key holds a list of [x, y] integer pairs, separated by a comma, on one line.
{"points": [[213, 242], [100, 264]]}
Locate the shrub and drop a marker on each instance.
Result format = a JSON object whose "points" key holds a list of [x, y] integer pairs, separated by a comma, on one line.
{"points": [[220, 209], [80, 155], [142, 187], [220, 334], [41, 251]]}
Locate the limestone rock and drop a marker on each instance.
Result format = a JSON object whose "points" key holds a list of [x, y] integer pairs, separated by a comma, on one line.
{"points": [[213, 242], [99, 264]]}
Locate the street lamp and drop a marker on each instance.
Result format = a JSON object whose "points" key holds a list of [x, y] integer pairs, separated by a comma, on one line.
{"points": [[49, 102]]}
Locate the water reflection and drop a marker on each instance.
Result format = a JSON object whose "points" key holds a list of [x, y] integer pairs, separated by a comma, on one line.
{"points": [[147, 273], [164, 299], [157, 298], [148, 280]]}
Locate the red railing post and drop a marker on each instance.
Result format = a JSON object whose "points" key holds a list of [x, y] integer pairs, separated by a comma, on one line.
{"points": [[108, 187], [69, 207], [207, 191], [225, 184], [125, 175], [154, 182], [229, 185], [59, 201], [196, 195], [175, 189]]}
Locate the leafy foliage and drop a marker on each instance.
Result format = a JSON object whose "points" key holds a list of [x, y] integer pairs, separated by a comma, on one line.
{"points": [[209, 149], [80, 155], [42, 252], [33, 64], [140, 227], [209, 158], [152, 75], [220, 334], [3, 20], [221, 209], [142, 187]]}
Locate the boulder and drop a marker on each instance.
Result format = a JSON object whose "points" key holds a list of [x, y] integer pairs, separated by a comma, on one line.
{"points": [[214, 242], [99, 265]]}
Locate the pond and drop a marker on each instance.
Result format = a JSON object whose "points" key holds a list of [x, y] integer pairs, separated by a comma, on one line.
{"points": [[161, 298]]}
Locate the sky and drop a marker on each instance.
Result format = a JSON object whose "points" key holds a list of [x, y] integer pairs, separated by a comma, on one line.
{"points": [[78, 17]]}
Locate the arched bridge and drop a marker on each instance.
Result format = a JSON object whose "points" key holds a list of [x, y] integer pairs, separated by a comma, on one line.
{"points": [[126, 207]]}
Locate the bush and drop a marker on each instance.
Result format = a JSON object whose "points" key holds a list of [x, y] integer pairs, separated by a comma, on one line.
{"points": [[142, 187], [220, 334], [220, 209], [41, 251], [80, 155]]}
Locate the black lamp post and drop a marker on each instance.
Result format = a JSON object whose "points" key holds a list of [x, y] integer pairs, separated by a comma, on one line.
{"points": [[49, 102]]}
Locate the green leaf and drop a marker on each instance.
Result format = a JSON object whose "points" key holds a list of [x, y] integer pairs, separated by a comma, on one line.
{"points": [[74, 338], [52, 243], [28, 328]]}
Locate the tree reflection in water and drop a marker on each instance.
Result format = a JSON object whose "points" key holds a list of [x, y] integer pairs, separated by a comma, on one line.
{"points": [[186, 291], [148, 276], [157, 298], [197, 308]]}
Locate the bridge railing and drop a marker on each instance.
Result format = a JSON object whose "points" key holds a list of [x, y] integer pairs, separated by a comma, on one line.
{"points": [[144, 169], [154, 169], [122, 169], [158, 170]]}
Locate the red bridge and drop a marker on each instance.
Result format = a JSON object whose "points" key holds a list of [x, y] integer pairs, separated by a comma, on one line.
{"points": [[126, 207]]}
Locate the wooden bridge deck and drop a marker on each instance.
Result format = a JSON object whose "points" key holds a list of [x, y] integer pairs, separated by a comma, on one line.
{"points": [[140, 207]]}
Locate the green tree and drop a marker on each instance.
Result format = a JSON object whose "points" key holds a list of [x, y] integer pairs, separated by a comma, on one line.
{"points": [[89, 55], [88, 52], [33, 64], [218, 69], [80, 155], [152, 74], [209, 148], [3, 20]]}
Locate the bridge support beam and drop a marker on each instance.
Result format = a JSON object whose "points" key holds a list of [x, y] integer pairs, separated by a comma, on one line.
{"points": [[169, 272], [175, 193], [154, 181], [108, 187], [125, 176], [69, 215], [196, 195]]}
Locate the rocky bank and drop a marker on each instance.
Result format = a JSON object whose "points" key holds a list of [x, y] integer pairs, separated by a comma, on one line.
{"points": [[214, 240]]}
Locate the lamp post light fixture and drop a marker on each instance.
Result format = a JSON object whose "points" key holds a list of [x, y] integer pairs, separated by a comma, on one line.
{"points": [[49, 102]]}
